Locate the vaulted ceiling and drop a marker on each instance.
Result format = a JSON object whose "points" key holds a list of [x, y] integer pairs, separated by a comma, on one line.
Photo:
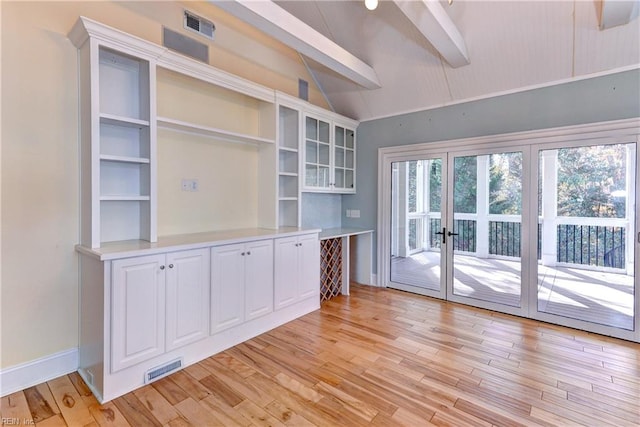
{"points": [[511, 45]]}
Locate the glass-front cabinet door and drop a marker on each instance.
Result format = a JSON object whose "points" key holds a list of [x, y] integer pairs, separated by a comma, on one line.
{"points": [[317, 154], [344, 159]]}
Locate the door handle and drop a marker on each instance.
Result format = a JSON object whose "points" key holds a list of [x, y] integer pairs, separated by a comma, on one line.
{"points": [[452, 234], [443, 234]]}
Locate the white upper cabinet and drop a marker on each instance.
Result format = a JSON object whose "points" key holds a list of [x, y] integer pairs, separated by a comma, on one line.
{"points": [[329, 155]]}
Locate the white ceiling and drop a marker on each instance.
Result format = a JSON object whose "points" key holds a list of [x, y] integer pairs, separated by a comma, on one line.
{"points": [[511, 45]]}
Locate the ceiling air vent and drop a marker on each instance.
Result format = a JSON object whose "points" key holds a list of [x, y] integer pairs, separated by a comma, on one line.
{"points": [[199, 24]]}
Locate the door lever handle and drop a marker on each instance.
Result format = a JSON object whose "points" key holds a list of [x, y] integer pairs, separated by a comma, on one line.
{"points": [[443, 234], [451, 234]]}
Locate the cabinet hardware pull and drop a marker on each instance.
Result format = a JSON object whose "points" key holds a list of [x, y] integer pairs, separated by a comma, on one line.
{"points": [[249, 253], [242, 254], [162, 267], [170, 265]]}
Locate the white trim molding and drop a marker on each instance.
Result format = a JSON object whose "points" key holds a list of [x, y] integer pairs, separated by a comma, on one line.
{"points": [[24, 375]]}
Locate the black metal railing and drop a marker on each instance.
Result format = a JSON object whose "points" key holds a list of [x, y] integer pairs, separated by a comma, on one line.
{"points": [[591, 245], [504, 238], [576, 244]]}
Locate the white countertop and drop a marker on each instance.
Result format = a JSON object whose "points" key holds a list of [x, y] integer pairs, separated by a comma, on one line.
{"points": [[332, 233], [131, 248]]}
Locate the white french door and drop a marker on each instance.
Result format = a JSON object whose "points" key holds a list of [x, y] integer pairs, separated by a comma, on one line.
{"points": [[462, 244], [486, 227], [416, 199], [541, 227]]}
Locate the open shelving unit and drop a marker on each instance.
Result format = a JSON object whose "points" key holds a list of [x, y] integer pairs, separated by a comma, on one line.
{"points": [[130, 87], [121, 172], [288, 167]]}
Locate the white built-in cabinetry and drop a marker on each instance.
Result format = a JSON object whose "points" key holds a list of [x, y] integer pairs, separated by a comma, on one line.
{"points": [[161, 302], [118, 145], [295, 269], [241, 283], [151, 304], [148, 309], [329, 154]]}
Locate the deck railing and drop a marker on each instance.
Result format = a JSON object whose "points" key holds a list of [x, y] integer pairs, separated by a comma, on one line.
{"points": [[595, 245], [581, 241]]}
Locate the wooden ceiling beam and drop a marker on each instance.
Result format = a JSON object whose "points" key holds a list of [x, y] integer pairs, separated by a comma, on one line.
{"points": [[430, 18], [276, 22]]}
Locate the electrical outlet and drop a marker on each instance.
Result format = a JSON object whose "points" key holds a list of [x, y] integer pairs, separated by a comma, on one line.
{"points": [[348, 213], [189, 185]]}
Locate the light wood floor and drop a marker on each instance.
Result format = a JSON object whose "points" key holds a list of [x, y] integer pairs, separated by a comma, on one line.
{"points": [[379, 357]]}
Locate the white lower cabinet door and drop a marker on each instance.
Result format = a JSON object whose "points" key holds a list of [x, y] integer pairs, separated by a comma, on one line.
{"points": [[137, 310], [308, 266], [227, 286], [187, 297], [286, 272], [258, 279]]}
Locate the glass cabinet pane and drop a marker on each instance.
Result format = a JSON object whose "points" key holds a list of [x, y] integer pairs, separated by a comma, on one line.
{"points": [[339, 178], [311, 175], [311, 152], [339, 137], [339, 157], [323, 132], [312, 128], [349, 160], [348, 179], [323, 154], [350, 138], [323, 177]]}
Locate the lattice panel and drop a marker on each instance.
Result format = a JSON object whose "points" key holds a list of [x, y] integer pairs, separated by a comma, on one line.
{"points": [[330, 268]]}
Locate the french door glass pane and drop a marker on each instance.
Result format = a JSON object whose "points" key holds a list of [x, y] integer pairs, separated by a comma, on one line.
{"points": [[415, 253], [586, 233], [487, 205]]}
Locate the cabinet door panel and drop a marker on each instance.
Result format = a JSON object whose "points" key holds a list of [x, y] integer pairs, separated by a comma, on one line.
{"points": [[309, 266], [137, 310], [259, 279], [187, 297], [286, 271], [227, 287]]}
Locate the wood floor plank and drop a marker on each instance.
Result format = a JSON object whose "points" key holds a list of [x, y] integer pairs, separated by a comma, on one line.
{"points": [[256, 415], [162, 410], [170, 390], [196, 414], [108, 415], [236, 382], [286, 415], [376, 358], [15, 409], [135, 412], [73, 408], [39, 406], [225, 413]]}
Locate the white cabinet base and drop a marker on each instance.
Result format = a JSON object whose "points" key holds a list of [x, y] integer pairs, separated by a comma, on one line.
{"points": [[111, 386], [104, 330]]}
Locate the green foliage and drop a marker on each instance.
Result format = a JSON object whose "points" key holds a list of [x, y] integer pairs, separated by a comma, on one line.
{"points": [[587, 177], [435, 185], [505, 183], [465, 184]]}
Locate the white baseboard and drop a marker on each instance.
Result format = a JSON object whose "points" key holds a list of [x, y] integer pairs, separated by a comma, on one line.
{"points": [[374, 280], [37, 371]]}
